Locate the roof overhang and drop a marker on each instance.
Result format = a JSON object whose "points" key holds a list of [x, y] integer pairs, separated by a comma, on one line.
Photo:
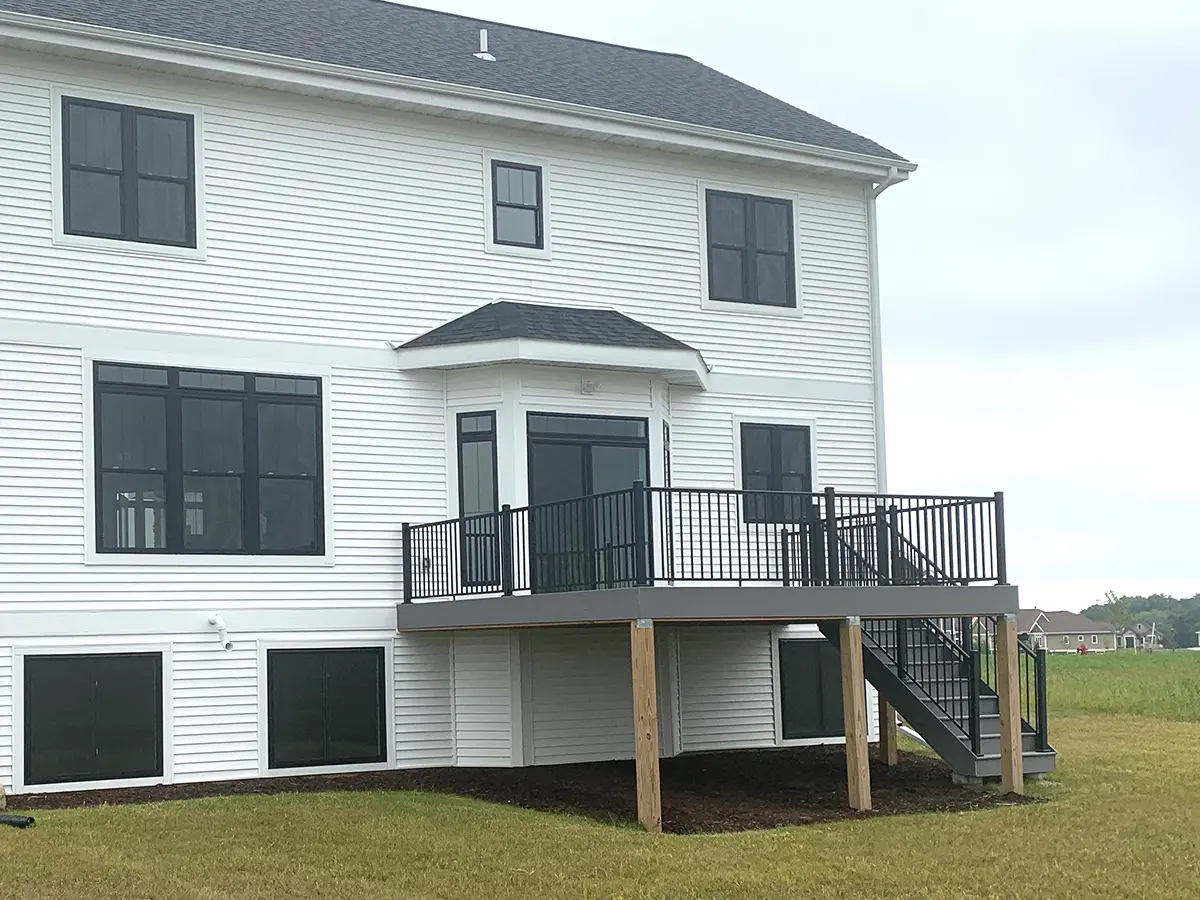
{"points": [[679, 366], [163, 54]]}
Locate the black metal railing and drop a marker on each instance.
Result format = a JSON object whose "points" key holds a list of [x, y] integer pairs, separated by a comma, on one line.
{"points": [[687, 535], [1031, 676]]}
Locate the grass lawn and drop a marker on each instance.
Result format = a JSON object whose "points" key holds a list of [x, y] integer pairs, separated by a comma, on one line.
{"points": [[1123, 821]]}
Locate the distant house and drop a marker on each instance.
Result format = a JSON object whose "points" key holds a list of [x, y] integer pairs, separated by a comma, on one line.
{"points": [[1141, 636], [1063, 632]]}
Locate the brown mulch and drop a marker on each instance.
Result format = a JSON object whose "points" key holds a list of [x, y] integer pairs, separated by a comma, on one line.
{"points": [[705, 792]]}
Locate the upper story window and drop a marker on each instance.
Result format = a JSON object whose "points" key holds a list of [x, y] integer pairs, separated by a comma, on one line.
{"points": [[129, 174], [207, 462], [751, 249], [776, 458], [517, 209]]}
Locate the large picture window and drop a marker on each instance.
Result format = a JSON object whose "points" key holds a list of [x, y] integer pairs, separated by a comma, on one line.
{"points": [[325, 707], [751, 249], [129, 174], [776, 458], [93, 717], [207, 462]]}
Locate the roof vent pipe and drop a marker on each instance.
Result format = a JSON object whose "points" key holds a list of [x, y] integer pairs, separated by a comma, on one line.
{"points": [[483, 50]]}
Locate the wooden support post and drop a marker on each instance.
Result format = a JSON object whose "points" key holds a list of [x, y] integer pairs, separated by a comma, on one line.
{"points": [[1008, 686], [854, 706], [889, 751], [645, 724]]}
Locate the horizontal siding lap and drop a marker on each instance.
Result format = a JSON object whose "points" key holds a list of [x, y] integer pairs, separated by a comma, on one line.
{"points": [[388, 241], [726, 690], [423, 695], [581, 695], [214, 710], [482, 699]]}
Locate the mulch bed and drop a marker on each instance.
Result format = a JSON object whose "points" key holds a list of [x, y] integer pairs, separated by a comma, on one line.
{"points": [[706, 792]]}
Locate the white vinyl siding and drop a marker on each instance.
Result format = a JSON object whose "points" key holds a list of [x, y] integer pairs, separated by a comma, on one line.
{"points": [[6, 718], [483, 707], [215, 713], [388, 241], [582, 694], [726, 688], [424, 717]]}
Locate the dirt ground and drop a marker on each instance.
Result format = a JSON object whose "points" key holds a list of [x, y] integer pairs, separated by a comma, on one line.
{"points": [[705, 792]]}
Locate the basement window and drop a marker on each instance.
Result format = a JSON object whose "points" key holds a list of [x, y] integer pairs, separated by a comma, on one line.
{"points": [[93, 717], [325, 707]]}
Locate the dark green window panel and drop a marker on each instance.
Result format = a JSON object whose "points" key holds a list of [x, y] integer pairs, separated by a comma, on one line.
{"points": [[325, 707], [810, 689], [93, 717]]}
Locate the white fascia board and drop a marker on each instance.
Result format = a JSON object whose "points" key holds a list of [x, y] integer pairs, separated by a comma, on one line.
{"points": [[48, 35], [680, 366]]}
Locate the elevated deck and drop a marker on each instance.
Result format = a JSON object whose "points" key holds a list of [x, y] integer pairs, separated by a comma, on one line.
{"points": [[689, 554]]}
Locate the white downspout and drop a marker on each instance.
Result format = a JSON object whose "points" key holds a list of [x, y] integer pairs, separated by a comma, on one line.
{"points": [[873, 191]]}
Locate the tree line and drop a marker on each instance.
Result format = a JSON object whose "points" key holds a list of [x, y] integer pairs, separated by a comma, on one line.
{"points": [[1178, 618]]}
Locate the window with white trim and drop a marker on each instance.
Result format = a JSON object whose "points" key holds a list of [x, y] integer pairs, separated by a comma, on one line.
{"points": [[751, 249]]}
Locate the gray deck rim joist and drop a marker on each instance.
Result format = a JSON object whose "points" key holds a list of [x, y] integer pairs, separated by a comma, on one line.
{"points": [[726, 603]]}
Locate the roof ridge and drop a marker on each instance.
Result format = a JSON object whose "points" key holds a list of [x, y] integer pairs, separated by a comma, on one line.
{"points": [[558, 34]]}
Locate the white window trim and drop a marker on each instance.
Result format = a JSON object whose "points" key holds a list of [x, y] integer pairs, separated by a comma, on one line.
{"points": [[798, 421], [108, 245], [389, 697], [67, 649], [196, 359], [730, 306], [489, 244]]}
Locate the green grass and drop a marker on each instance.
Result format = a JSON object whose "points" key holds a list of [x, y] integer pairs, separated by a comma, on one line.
{"points": [[1164, 684], [1122, 823]]}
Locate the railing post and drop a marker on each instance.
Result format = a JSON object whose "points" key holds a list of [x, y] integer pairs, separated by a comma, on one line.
{"points": [[894, 539], [901, 647], [640, 545], [1043, 725], [785, 567], [506, 550], [406, 551], [1001, 561], [974, 723], [832, 563], [883, 548]]}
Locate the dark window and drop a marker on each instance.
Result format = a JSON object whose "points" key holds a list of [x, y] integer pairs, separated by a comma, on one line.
{"points": [[325, 707], [207, 462], [128, 174], [810, 689], [92, 717], [516, 205], [751, 249], [776, 458], [477, 496]]}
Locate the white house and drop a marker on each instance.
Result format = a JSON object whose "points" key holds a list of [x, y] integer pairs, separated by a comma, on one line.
{"points": [[280, 278]]}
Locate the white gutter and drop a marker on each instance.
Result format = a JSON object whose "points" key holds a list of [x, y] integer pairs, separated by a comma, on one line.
{"points": [[894, 176], [53, 35]]}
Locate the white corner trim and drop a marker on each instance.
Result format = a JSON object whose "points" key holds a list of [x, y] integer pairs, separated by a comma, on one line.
{"points": [[20, 651], [489, 244], [749, 309], [800, 421], [677, 366], [109, 245], [172, 54], [876, 319], [388, 645]]}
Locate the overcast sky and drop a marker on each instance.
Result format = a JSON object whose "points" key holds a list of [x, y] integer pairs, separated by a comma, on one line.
{"points": [[1040, 271]]}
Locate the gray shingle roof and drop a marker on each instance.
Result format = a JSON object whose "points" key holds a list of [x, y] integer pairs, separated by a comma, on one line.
{"points": [[504, 319], [1060, 622], [403, 40]]}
